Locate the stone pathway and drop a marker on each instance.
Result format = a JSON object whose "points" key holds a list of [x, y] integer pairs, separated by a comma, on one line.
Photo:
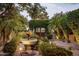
{"points": [[61, 44], [73, 46], [75, 52], [28, 53], [33, 53]]}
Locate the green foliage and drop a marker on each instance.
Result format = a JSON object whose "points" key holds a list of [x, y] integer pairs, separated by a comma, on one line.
{"points": [[12, 21], [33, 24], [59, 25], [35, 10], [45, 40], [17, 38], [10, 48], [47, 49], [73, 21], [38, 23], [57, 52], [65, 23]]}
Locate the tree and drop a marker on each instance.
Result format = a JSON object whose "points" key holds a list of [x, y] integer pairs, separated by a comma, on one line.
{"points": [[66, 23], [35, 10], [73, 22], [59, 25], [10, 22]]}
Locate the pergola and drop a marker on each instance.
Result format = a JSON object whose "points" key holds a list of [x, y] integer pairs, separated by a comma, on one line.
{"points": [[39, 26]]}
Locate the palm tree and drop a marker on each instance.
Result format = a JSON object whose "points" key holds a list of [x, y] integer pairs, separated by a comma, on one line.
{"points": [[11, 23], [73, 22], [59, 25]]}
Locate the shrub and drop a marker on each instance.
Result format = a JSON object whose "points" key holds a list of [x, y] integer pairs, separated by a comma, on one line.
{"points": [[57, 52], [49, 36], [35, 36], [48, 49], [45, 40], [10, 48]]}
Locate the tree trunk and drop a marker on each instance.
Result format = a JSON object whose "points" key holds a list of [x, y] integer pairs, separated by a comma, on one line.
{"points": [[7, 35], [40, 31], [3, 36], [65, 34], [1, 39], [35, 30]]}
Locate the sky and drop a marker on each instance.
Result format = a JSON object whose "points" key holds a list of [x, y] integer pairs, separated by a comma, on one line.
{"points": [[53, 8]]}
